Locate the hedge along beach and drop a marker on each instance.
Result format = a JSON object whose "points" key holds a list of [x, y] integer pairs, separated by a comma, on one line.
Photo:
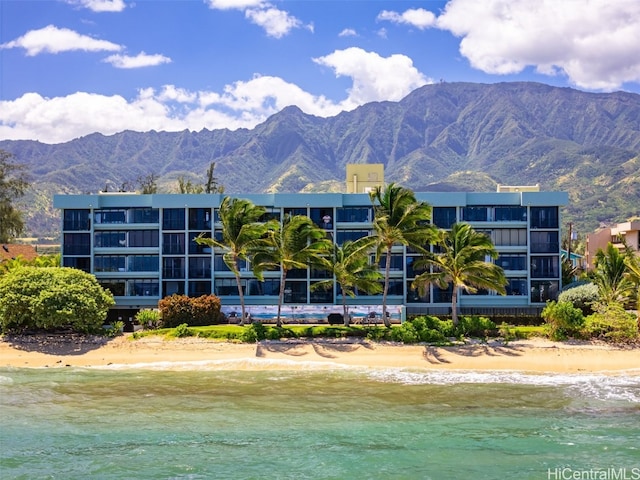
{"points": [[200, 409]]}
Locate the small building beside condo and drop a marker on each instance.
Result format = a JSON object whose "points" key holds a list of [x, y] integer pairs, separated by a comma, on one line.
{"points": [[626, 233], [142, 248]]}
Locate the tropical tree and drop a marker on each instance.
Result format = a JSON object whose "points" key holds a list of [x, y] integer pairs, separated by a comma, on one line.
{"points": [[350, 266], [633, 274], [13, 184], [611, 277], [242, 233], [295, 243], [460, 260], [399, 219]]}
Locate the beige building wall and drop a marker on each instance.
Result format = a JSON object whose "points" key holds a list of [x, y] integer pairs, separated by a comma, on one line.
{"points": [[627, 232], [363, 177]]}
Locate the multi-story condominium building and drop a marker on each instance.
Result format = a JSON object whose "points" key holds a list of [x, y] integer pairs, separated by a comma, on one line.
{"points": [[142, 247], [627, 233]]}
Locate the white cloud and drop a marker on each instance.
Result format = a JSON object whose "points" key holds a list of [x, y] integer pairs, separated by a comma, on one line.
{"points": [[419, 17], [348, 32], [52, 39], [233, 4], [593, 42], [375, 78], [140, 60], [100, 5], [242, 104]]}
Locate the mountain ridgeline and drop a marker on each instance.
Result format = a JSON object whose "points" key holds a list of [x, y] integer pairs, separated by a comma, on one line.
{"points": [[441, 137]]}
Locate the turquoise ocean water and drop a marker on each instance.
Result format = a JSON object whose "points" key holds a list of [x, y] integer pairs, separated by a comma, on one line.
{"points": [[209, 421]]}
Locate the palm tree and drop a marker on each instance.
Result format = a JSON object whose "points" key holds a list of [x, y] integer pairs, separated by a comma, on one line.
{"points": [[461, 261], [351, 269], [610, 275], [293, 244], [400, 219], [242, 234], [633, 274]]}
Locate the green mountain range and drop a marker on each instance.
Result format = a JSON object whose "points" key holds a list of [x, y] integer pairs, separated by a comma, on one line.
{"points": [[441, 137]]}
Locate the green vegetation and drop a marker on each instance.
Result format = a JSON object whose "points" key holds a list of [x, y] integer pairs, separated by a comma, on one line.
{"points": [[49, 299], [181, 309], [13, 185]]}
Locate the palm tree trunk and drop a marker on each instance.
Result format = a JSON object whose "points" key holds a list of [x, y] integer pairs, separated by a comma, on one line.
{"points": [[387, 271], [454, 306], [345, 315], [283, 278], [240, 292]]}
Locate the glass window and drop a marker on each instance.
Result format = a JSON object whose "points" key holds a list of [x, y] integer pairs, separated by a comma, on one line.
{"points": [[271, 214], [195, 247], [76, 219], [145, 287], [323, 217], [200, 267], [295, 211], [173, 243], [116, 287], [144, 215], [545, 267], [143, 238], [413, 295], [144, 263], [444, 217], [544, 242], [516, 286], [544, 217], [110, 239], [509, 237], [200, 218], [510, 214], [173, 267], [474, 214], [220, 266], [295, 292], [512, 261], [297, 273], [110, 215], [442, 295], [396, 262], [353, 235], [321, 295], [354, 214], [173, 219], [411, 270], [226, 286], [542, 291], [197, 289], [77, 244], [109, 263], [81, 263], [172, 288]]}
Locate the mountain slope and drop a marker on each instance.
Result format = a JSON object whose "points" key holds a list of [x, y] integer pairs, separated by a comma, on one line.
{"points": [[453, 136]]}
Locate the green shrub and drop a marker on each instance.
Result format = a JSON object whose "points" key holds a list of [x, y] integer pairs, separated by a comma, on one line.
{"points": [[582, 297], [254, 333], [51, 299], [149, 318], [183, 330], [563, 320], [205, 310], [115, 329], [475, 326], [197, 311], [613, 324]]}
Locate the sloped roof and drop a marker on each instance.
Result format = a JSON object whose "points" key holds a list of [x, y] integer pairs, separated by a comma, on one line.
{"points": [[9, 251]]}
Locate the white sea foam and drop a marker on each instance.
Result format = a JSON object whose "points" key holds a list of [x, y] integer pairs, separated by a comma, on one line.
{"points": [[5, 380]]}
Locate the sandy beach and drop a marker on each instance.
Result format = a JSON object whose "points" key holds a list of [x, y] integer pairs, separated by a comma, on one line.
{"points": [[532, 355]]}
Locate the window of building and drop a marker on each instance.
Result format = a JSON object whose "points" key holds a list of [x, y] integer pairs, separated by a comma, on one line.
{"points": [[81, 263], [172, 288], [195, 247], [321, 295], [323, 217], [516, 286], [295, 292], [220, 266], [173, 267], [144, 287], [76, 219], [144, 215], [544, 217], [295, 211], [110, 239], [442, 295], [199, 288], [544, 242], [144, 263], [510, 214], [200, 267], [545, 267], [395, 265], [444, 217], [226, 287], [509, 237], [475, 214], [354, 214], [271, 213], [352, 235], [173, 219], [173, 243], [413, 294], [110, 215], [116, 287], [510, 261], [200, 219], [542, 291], [109, 263], [411, 270], [76, 244], [143, 238]]}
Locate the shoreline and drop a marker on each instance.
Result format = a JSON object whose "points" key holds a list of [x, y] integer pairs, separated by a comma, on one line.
{"points": [[533, 355]]}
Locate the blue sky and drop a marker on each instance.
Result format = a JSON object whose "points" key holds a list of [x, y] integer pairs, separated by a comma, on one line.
{"points": [[69, 68]]}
